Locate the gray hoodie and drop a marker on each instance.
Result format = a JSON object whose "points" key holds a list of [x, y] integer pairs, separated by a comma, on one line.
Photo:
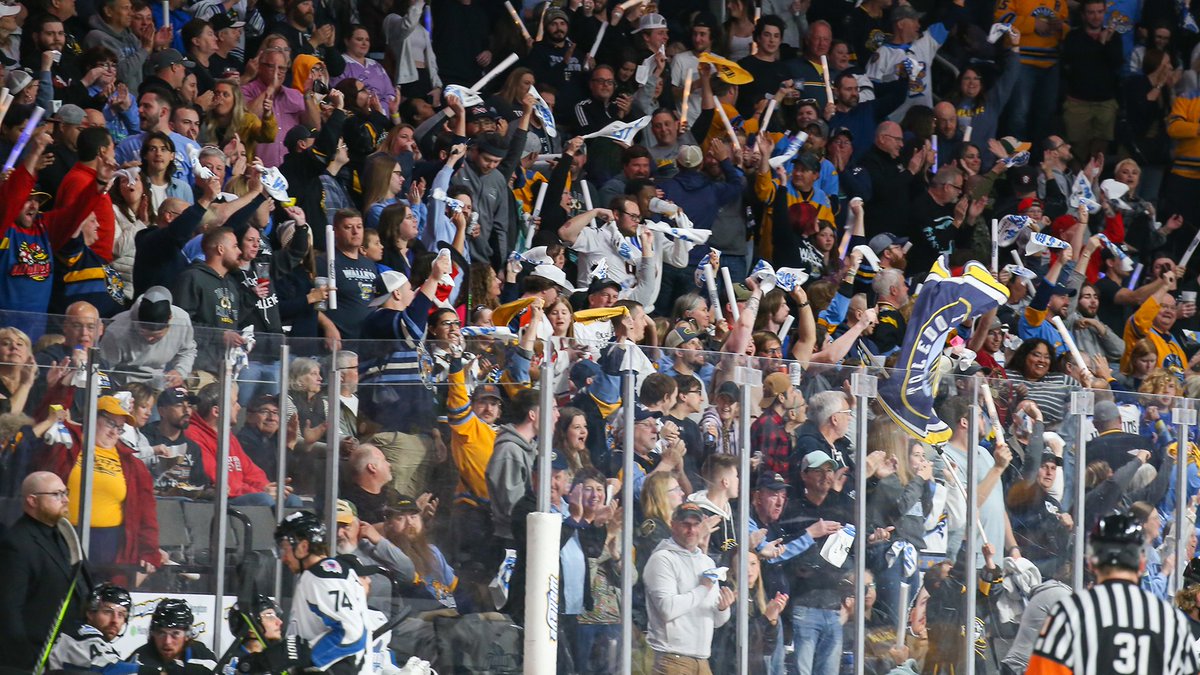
{"points": [[136, 360], [131, 58], [509, 476], [683, 612]]}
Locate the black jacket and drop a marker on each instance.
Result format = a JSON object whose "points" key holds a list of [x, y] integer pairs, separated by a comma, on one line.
{"points": [[891, 185], [38, 573]]}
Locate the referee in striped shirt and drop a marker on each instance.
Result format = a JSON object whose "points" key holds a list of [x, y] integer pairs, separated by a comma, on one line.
{"points": [[1114, 626]]}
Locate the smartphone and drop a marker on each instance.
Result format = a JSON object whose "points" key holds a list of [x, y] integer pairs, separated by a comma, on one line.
{"points": [[320, 87]]}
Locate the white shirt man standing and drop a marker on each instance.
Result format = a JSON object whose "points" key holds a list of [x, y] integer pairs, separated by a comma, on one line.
{"points": [[684, 600]]}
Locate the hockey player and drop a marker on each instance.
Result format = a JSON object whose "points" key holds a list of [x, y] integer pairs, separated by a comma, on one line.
{"points": [[328, 605], [87, 645], [258, 624], [171, 647]]}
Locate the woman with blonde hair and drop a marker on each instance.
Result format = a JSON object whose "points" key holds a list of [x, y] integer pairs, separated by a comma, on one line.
{"points": [[17, 369], [227, 116]]}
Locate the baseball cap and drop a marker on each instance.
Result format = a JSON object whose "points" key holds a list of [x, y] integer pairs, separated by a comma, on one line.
{"points": [[295, 135], [882, 241], [259, 401], [486, 390], [817, 459], [641, 412], [689, 157], [553, 273], [392, 281], [688, 510], [9, 10], [225, 20], [402, 505], [167, 58], [774, 385], [1012, 146], [741, 292], [729, 390], [583, 370], [69, 114], [599, 284], [112, 406], [842, 131], [481, 111], [1023, 177], [904, 12], [768, 480], [554, 13], [558, 461], [1059, 289], [155, 306], [1030, 202], [17, 79], [650, 22], [346, 512], [704, 19], [681, 335], [173, 396]]}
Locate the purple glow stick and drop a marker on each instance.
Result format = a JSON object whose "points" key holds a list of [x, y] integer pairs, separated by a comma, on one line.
{"points": [[23, 139]]}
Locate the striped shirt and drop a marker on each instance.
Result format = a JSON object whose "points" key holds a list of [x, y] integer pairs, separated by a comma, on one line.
{"points": [[1114, 627]]}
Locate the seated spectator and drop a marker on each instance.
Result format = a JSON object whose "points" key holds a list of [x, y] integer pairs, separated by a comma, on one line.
{"points": [[179, 465], [153, 342], [247, 483], [370, 487]]}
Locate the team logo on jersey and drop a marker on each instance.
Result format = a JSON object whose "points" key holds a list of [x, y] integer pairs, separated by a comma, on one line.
{"points": [[114, 284], [32, 262], [331, 565], [876, 38]]}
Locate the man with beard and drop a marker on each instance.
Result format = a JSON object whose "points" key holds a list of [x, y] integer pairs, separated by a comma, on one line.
{"points": [[307, 33], [553, 61], [1091, 335], [891, 293], [179, 464], [49, 34], [1114, 300], [87, 645], [363, 541]]}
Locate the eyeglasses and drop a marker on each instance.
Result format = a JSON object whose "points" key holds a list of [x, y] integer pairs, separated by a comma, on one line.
{"points": [[111, 421], [958, 187], [267, 412], [60, 495], [608, 83], [450, 324]]}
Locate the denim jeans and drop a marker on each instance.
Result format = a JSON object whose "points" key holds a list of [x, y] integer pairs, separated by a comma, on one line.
{"points": [[604, 638], [817, 635], [1031, 106], [258, 377]]}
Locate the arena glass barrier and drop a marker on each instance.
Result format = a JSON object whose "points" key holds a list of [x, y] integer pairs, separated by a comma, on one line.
{"points": [[461, 610]]}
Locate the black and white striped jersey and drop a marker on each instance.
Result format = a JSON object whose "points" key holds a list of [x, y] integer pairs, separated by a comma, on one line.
{"points": [[1114, 628]]}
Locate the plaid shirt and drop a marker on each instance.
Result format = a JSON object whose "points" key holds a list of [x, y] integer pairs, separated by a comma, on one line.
{"points": [[769, 435]]}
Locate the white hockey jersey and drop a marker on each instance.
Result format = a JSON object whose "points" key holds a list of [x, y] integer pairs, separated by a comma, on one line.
{"points": [[83, 647], [912, 62], [329, 612]]}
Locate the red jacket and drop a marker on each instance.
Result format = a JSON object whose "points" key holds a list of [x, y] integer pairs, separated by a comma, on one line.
{"points": [[140, 510], [244, 475], [79, 180]]}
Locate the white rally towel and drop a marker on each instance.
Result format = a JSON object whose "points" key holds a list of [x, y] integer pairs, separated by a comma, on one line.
{"points": [[1040, 241], [543, 111], [468, 97], [621, 132]]}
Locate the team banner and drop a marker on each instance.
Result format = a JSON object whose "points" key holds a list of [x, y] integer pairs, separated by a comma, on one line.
{"points": [[621, 132], [543, 111], [944, 303]]}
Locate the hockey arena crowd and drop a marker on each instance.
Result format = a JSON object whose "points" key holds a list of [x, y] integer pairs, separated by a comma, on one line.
{"points": [[942, 249]]}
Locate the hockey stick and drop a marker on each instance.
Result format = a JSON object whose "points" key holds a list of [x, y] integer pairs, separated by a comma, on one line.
{"points": [[237, 644], [75, 550]]}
